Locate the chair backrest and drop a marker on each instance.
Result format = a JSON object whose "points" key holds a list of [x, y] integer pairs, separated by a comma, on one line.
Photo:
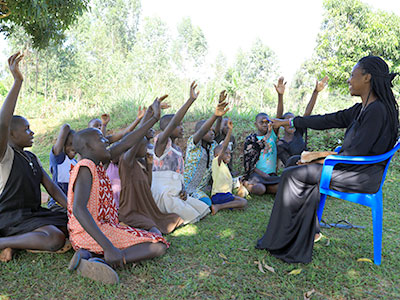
{"points": [[390, 155]]}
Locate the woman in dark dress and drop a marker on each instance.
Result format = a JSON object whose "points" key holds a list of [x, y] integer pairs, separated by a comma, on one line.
{"points": [[372, 128], [24, 224]]}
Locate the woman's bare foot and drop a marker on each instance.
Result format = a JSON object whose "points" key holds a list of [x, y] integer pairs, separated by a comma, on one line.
{"points": [[6, 254], [214, 209]]}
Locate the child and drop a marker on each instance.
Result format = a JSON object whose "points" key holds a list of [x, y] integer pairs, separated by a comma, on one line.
{"points": [[221, 130], [112, 167], [167, 186], [292, 142], [221, 195], [93, 219], [260, 154], [200, 153], [62, 160], [105, 119], [24, 224], [137, 206]]}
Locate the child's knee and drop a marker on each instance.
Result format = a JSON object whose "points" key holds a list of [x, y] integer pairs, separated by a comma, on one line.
{"points": [[258, 189], [158, 249], [56, 240]]}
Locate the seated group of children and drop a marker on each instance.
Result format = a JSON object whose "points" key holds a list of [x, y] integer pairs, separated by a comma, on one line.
{"points": [[123, 193]]}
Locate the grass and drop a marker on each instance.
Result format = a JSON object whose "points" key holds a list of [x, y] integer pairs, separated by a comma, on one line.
{"points": [[214, 259]]}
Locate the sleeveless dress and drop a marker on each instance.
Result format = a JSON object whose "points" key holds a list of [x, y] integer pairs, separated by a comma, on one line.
{"points": [[168, 182], [103, 209]]}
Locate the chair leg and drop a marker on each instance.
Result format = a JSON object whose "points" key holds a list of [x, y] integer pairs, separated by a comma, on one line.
{"points": [[377, 229], [321, 206]]}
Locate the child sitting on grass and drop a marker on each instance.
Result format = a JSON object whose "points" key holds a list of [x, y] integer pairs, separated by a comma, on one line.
{"points": [[137, 206], [62, 160], [221, 195], [200, 153], [293, 142], [168, 187], [93, 218], [260, 153], [24, 224], [221, 130]]}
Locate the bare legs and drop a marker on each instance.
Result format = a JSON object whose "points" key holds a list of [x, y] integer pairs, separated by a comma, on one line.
{"points": [[236, 203], [47, 238], [260, 189]]}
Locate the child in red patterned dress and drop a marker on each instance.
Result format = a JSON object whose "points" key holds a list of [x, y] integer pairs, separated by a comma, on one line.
{"points": [[93, 217]]}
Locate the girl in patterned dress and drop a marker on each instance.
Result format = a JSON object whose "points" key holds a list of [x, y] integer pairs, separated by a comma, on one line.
{"points": [[93, 218]]}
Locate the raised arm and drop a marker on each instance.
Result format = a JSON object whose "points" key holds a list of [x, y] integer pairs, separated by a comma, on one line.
{"points": [[7, 110], [120, 134], [105, 118], [176, 120], [220, 111], [82, 187], [135, 136], [319, 86], [62, 137], [280, 89], [226, 142]]}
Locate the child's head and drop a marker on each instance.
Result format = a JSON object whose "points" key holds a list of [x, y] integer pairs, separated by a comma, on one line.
{"points": [[68, 147], [95, 123], [178, 131], [20, 133], [287, 116], [90, 143], [150, 133], [261, 123], [226, 156], [224, 126], [209, 136]]}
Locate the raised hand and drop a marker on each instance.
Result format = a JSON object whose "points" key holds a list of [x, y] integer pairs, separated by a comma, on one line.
{"points": [[222, 96], [164, 105], [193, 93], [13, 64], [140, 113], [230, 124], [156, 107], [319, 86], [221, 109], [105, 118], [280, 87]]}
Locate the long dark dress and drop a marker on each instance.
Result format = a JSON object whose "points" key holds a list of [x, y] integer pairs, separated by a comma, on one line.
{"points": [[137, 207], [293, 222], [20, 201]]}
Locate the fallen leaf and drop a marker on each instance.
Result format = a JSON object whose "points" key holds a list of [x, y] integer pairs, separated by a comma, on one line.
{"points": [[308, 294], [364, 259], [243, 249], [269, 268], [328, 242], [295, 272], [260, 268], [222, 256]]}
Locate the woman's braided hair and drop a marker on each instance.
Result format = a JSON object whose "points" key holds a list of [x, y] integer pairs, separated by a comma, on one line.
{"points": [[381, 85]]}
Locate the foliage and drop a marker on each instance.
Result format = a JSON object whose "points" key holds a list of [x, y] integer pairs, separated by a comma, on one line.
{"points": [[349, 31], [42, 20]]}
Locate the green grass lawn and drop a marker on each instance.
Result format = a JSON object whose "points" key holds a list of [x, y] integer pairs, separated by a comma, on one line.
{"points": [[215, 258]]}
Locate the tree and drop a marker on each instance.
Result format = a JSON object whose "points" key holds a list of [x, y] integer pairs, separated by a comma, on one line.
{"points": [[349, 31], [42, 20]]}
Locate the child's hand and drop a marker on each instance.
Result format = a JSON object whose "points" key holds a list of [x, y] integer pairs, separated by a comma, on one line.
{"points": [[105, 118], [230, 125], [156, 107], [114, 257], [165, 105], [280, 87], [193, 93], [140, 113], [222, 96], [13, 64], [319, 86]]}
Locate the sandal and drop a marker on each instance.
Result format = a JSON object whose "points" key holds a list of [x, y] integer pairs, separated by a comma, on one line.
{"points": [[76, 259], [318, 238], [97, 269], [67, 246]]}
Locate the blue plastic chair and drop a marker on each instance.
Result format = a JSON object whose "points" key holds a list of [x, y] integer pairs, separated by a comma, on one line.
{"points": [[374, 201]]}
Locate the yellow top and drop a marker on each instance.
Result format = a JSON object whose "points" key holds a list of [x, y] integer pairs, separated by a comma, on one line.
{"points": [[222, 178]]}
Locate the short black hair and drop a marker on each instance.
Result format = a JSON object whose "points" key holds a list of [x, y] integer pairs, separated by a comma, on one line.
{"points": [[286, 114], [199, 124], [81, 138], [260, 115], [17, 121], [164, 121], [93, 120]]}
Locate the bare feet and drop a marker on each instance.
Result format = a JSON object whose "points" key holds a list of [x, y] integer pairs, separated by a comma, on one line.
{"points": [[6, 254], [214, 209]]}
